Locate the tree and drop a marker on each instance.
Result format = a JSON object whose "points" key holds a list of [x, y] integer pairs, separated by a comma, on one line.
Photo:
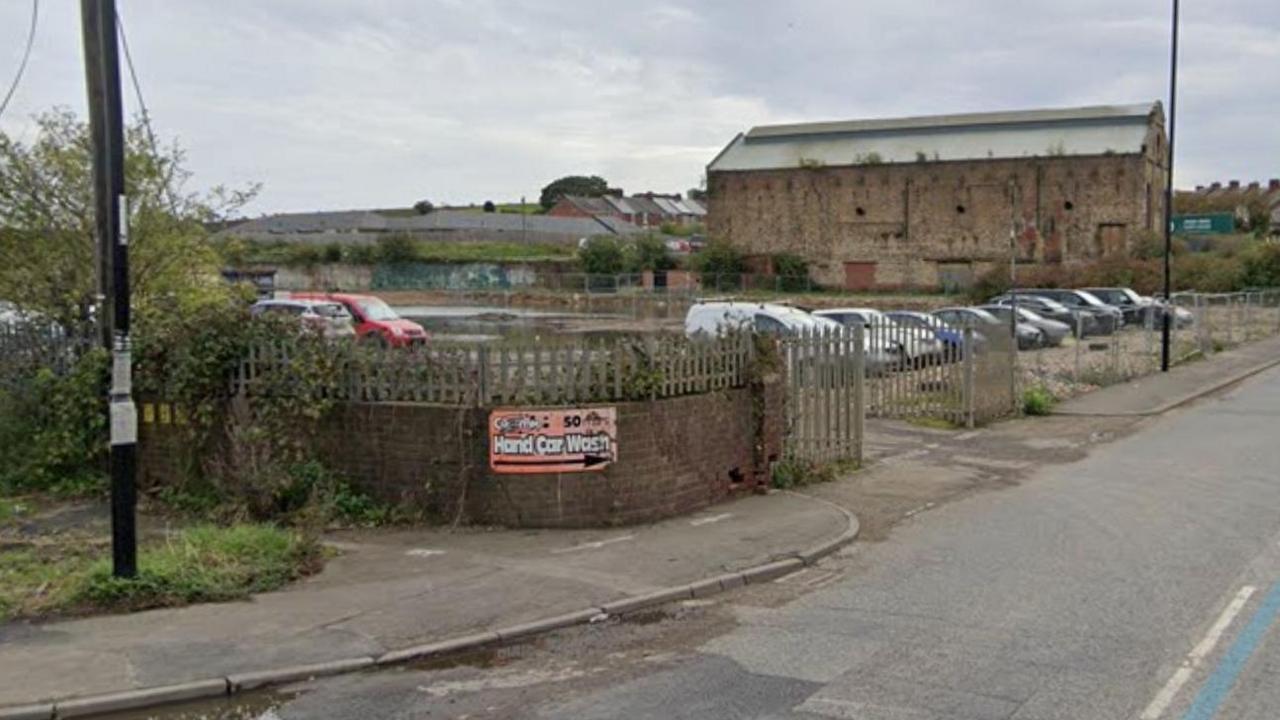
{"points": [[47, 244], [489, 206], [424, 207], [602, 255], [588, 186], [650, 253]]}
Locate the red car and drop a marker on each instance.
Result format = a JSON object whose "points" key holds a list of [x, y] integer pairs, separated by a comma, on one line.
{"points": [[374, 319]]}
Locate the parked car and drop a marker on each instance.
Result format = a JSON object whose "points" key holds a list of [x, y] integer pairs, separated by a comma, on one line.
{"points": [[1052, 332], [918, 345], [375, 321], [1141, 309], [1134, 306], [951, 338], [1109, 319], [328, 318], [711, 318], [982, 321], [1083, 323]]}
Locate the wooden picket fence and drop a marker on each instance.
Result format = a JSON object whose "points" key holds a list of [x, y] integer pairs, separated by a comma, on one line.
{"points": [[615, 369]]}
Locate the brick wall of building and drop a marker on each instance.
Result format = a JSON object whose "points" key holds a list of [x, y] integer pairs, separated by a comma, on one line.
{"points": [[675, 456], [926, 224]]}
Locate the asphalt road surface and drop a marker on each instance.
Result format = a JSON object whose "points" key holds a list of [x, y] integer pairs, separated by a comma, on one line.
{"points": [[1142, 582]]}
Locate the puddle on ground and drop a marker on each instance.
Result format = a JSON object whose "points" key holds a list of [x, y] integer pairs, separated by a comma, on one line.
{"points": [[259, 705], [493, 656]]}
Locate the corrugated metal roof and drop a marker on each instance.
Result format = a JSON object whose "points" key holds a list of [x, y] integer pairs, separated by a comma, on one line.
{"points": [[443, 220], [1095, 130]]}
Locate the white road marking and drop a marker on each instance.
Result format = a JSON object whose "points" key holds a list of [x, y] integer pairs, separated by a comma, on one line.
{"points": [[593, 545], [708, 520], [1165, 697], [423, 552], [969, 435], [918, 510]]}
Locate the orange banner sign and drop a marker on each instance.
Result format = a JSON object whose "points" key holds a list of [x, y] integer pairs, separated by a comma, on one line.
{"points": [[557, 440]]}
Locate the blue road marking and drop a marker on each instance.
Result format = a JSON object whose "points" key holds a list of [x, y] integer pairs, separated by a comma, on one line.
{"points": [[1216, 689]]}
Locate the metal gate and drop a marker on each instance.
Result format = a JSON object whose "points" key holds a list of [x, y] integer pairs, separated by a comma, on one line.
{"points": [[825, 368]]}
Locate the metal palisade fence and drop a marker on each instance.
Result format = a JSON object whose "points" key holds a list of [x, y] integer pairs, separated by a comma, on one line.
{"points": [[825, 405]]}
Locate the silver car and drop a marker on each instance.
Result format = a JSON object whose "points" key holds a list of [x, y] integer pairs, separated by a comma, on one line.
{"points": [[330, 319]]}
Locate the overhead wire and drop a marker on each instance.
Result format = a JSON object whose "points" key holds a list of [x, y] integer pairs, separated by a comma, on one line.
{"points": [[167, 176], [26, 55]]}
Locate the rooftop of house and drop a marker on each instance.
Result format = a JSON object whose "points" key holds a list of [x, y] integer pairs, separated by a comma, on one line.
{"points": [[368, 221], [1095, 130]]}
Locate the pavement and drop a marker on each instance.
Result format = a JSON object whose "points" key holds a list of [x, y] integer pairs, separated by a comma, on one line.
{"points": [[1107, 544], [395, 590], [1061, 568], [1141, 582], [1159, 393]]}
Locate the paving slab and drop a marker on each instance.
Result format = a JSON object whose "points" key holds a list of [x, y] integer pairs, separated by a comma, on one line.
{"points": [[398, 589]]}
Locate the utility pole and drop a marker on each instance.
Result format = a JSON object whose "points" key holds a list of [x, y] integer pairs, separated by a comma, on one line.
{"points": [[1166, 316], [106, 125]]}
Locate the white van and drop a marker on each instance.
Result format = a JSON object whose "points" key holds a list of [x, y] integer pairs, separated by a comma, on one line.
{"points": [[707, 319]]}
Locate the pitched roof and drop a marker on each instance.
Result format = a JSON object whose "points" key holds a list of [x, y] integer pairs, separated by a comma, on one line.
{"points": [[1072, 131]]}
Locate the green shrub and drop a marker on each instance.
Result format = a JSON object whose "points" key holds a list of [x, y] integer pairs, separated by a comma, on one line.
{"points": [[397, 248], [305, 255], [53, 433], [332, 253], [602, 255], [360, 254], [649, 252], [792, 271], [721, 266], [791, 472], [1037, 401]]}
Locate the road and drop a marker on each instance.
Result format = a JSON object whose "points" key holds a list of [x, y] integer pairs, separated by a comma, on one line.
{"points": [[1140, 582]]}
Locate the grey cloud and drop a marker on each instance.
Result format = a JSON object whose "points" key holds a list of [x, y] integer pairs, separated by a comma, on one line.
{"points": [[342, 104]]}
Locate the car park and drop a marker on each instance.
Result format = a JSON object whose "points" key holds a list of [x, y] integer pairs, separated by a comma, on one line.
{"points": [[375, 321], [330, 319], [1052, 332], [951, 338], [1109, 319], [706, 319], [1082, 322], [982, 321], [1135, 307], [918, 345]]}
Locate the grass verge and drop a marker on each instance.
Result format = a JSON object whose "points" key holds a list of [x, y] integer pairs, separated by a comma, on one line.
{"points": [[198, 564]]}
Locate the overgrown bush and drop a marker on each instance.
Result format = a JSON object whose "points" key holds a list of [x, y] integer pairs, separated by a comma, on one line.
{"points": [[397, 248], [649, 252], [721, 265], [53, 434], [792, 271], [602, 255]]}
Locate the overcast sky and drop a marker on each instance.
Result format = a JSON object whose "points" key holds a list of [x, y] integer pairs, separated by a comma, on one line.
{"points": [[373, 103]]}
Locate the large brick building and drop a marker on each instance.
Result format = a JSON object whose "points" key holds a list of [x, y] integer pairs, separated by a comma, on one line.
{"points": [[932, 202]]}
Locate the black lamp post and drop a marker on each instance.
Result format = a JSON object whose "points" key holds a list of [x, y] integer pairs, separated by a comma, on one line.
{"points": [[1166, 316]]}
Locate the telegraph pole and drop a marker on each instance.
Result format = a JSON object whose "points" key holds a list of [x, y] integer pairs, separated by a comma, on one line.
{"points": [[1166, 316], [106, 126]]}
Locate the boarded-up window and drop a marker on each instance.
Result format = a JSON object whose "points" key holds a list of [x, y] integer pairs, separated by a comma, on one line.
{"points": [[859, 275], [1110, 240]]}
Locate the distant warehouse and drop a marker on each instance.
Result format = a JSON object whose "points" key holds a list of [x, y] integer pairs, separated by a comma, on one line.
{"points": [[931, 202]]}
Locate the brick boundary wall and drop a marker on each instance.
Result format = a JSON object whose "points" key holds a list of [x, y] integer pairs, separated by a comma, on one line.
{"points": [[675, 456]]}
